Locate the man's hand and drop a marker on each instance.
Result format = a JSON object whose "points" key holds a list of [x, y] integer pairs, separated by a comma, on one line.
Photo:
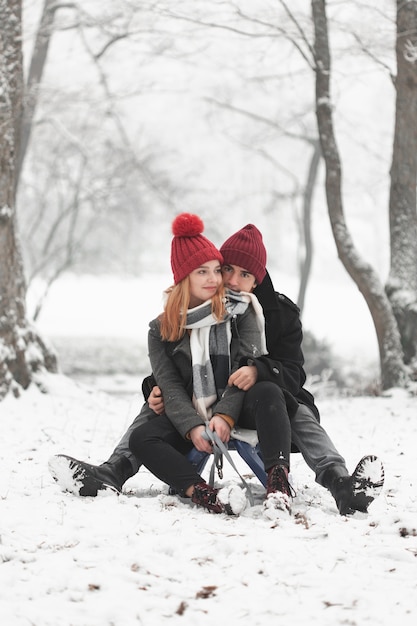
{"points": [[244, 378], [156, 401]]}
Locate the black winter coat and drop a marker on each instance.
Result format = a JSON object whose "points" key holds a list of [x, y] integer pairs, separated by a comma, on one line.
{"points": [[284, 362]]}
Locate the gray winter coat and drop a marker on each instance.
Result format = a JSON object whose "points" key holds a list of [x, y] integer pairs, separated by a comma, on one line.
{"points": [[171, 367]]}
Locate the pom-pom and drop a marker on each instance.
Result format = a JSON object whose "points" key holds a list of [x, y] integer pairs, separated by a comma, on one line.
{"points": [[187, 225]]}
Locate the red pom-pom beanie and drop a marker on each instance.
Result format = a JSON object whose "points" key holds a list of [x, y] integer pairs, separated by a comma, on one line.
{"points": [[189, 248], [246, 249]]}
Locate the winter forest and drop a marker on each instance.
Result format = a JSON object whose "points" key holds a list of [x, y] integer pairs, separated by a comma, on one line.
{"points": [[116, 115]]}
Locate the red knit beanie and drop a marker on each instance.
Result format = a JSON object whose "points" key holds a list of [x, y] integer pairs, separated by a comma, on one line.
{"points": [[189, 248], [246, 249]]}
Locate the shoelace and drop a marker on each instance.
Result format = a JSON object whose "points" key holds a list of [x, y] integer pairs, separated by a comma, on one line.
{"points": [[205, 496], [205, 493], [279, 482]]}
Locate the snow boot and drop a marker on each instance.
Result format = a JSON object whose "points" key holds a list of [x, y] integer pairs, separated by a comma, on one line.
{"points": [[358, 491], [278, 489], [83, 479], [227, 500]]}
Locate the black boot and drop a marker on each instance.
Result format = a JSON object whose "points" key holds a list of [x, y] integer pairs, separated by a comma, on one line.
{"points": [[83, 479], [358, 491]]}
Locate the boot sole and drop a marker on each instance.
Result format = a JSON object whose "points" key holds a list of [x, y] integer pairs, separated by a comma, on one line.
{"points": [[72, 476], [367, 483]]}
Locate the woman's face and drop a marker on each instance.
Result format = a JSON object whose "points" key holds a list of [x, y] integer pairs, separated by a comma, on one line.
{"points": [[204, 282]]}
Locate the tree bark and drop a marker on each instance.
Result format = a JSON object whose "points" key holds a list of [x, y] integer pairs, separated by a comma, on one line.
{"points": [[21, 351], [393, 372], [305, 268], [402, 282], [36, 68]]}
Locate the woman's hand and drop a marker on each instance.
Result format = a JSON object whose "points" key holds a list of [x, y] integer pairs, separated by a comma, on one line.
{"points": [[201, 444], [156, 401], [221, 427]]}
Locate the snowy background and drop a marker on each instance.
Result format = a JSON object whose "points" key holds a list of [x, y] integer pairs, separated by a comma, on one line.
{"points": [[223, 121], [120, 307], [146, 558]]}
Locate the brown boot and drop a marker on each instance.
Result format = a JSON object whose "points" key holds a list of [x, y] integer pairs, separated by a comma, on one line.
{"points": [[230, 501], [278, 490]]}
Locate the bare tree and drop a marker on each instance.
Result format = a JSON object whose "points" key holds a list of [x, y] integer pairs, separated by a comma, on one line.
{"points": [[68, 209], [36, 69], [308, 194], [303, 191], [402, 283], [393, 370], [22, 352]]}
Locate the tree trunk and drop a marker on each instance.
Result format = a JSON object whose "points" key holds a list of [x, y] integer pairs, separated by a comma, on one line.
{"points": [[393, 372], [37, 65], [21, 351], [305, 268], [402, 283]]}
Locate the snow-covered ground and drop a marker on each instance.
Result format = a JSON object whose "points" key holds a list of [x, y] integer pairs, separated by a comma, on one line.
{"points": [[148, 558]]}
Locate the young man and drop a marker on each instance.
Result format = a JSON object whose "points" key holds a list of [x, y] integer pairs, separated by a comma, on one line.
{"points": [[279, 372]]}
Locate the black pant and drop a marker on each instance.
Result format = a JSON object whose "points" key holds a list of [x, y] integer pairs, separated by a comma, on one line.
{"points": [[265, 410], [160, 447]]}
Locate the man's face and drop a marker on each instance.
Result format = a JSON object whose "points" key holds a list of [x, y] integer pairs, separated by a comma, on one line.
{"points": [[237, 278]]}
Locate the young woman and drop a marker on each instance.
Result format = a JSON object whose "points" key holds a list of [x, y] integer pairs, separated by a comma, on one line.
{"points": [[194, 346]]}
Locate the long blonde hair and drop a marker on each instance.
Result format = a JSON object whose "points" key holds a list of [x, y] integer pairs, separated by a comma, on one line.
{"points": [[174, 318]]}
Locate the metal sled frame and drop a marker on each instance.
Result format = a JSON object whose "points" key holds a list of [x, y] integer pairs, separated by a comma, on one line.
{"points": [[250, 454]]}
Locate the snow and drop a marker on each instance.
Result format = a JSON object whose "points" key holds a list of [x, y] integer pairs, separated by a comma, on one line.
{"points": [[410, 53], [147, 558]]}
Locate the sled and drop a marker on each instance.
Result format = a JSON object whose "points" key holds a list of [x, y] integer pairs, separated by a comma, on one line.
{"points": [[249, 453]]}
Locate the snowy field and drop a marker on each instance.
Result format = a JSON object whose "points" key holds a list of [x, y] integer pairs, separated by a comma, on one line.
{"points": [[146, 558]]}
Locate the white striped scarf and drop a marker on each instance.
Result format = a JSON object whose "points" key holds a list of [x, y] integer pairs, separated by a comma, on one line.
{"points": [[210, 347]]}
